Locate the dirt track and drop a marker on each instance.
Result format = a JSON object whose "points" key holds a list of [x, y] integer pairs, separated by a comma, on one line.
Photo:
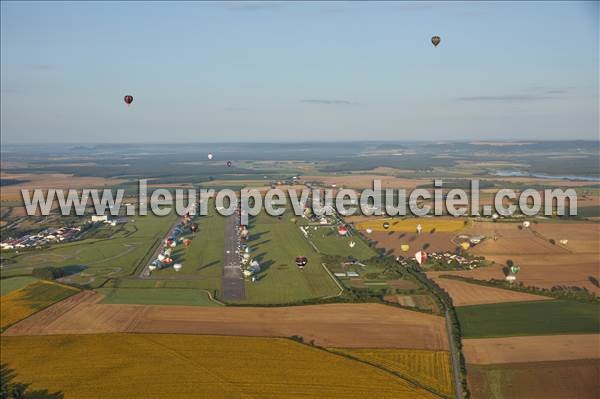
{"points": [[531, 348], [335, 325]]}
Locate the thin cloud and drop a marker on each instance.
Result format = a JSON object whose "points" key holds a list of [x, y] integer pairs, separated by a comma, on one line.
{"points": [[505, 98], [253, 7], [327, 101]]}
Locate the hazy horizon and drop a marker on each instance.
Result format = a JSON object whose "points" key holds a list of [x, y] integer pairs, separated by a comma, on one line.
{"points": [[298, 72]]}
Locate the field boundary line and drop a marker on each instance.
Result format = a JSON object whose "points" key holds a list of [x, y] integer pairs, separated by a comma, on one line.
{"points": [[385, 369], [335, 281]]}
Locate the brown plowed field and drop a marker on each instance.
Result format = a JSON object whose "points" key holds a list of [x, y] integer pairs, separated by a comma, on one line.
{"points": [[437, 241], [526, 349], [542, 264], [335, 325], [537, 380], [464, 294]]}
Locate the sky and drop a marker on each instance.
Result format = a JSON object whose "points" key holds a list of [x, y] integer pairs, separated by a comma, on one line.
{"points": [[219, 72]]}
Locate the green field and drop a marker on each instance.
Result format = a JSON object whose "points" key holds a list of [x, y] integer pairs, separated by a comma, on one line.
{"points": [[528, 318], [204, 257], [120, 255], [275, 244], [14, 283], [329, 242], [157, 296]]}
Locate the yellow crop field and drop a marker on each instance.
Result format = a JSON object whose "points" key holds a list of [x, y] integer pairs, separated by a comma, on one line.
{"points": [[22, 303], [430, 368], [441, 225], [174, 366]]}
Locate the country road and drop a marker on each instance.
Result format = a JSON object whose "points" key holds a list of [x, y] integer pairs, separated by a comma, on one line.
{"points": [[454, 356]]}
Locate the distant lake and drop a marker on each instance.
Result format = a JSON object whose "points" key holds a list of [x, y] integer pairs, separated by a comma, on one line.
{"points": [[518, 173]]}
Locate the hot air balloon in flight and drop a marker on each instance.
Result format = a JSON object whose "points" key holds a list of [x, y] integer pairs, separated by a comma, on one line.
{"points": [[210, 157], [514, 269], [386, 225], [229, 164], [342, 230], [369, 231], [351, 244], [419, 228], [435, 40], [404, 247], [526, 224], [128, 99], [177, 266], [421, 257], [465, 245], [301, 261]]}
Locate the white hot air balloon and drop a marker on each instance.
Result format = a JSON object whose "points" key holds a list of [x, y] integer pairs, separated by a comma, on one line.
{"points": [[421, 257], [177, 266], [210, 157], [351, 244], [526, 224], [419, 228], [369, 231]]}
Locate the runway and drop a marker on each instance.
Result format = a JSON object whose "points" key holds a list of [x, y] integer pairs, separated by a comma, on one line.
{"points": [[233, 280]]}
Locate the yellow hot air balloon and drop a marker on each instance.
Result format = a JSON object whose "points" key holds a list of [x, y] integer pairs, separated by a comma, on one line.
{"points": [[404, 247], [465, 245]]}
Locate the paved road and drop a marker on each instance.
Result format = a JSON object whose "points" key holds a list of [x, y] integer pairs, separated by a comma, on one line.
{"points": [[455, 359], [233, 280]]}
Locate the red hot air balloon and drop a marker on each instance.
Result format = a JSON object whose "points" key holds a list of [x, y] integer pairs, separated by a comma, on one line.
{"points": [[421, 257], [128, 99]]}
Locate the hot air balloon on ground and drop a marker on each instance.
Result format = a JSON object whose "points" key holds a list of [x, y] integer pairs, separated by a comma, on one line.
{"points": [[128, 99], [435, 40], [342, 230], [177, 266], [421, 257], [419, 228], [301, 261]]}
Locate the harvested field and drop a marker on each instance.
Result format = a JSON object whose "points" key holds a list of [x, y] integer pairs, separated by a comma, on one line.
{"points": [[362, 181], [51, 180], [433, 242], [537, 347], [544, 271], [543, 380], [21, 303], [542, 264], [183, 366], [464, 294], [509, 240], [430, 368], [340, 325], [438, 224]]}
